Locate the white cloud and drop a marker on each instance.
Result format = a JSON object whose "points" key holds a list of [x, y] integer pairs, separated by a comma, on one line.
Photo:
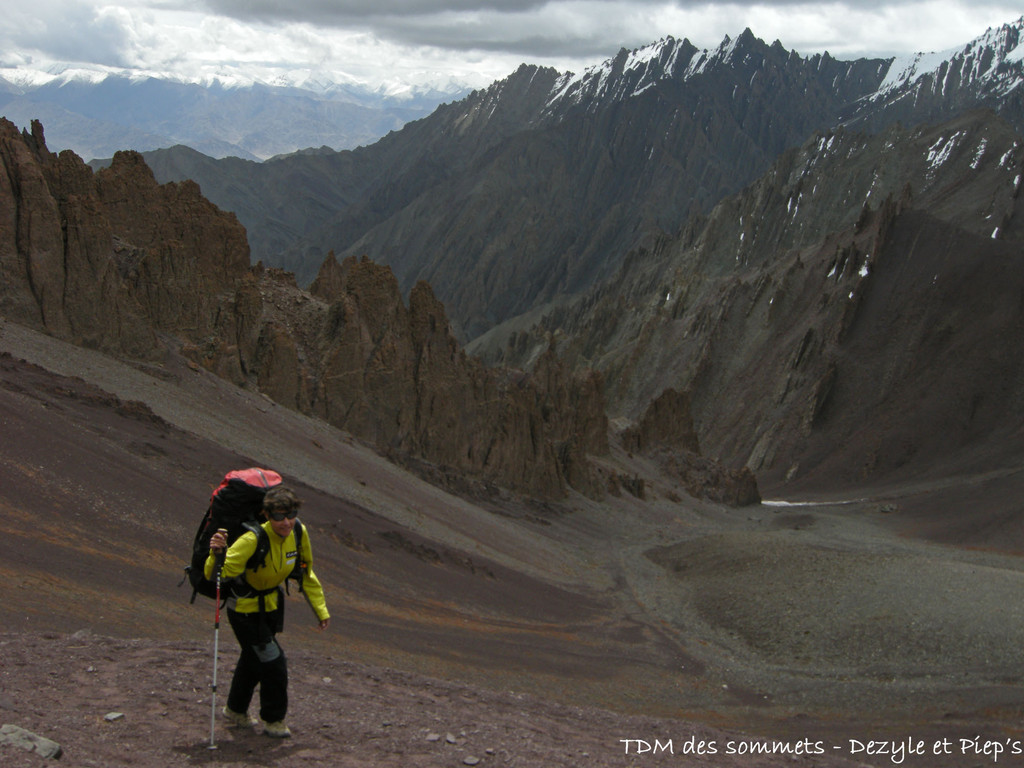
{"points": [[600, 27], [474, 40], [66, 29]]}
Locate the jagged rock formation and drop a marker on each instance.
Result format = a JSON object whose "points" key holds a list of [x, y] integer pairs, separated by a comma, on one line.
{"points": [[931, 87], [108, 260], [352, 353], [117, 262], [849, 318], [665, 432]]}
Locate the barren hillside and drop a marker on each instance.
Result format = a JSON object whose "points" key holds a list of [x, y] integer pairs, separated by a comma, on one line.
{"points": [[545, 634]]}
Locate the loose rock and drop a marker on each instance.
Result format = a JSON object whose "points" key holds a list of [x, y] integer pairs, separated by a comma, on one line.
{"points": [[19, 737]]}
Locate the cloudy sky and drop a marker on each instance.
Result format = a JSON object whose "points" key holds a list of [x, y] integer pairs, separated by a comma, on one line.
{"points": [[476, 41]]}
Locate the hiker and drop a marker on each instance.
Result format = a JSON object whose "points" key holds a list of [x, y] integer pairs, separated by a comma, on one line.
{"points": [[255, 608]]}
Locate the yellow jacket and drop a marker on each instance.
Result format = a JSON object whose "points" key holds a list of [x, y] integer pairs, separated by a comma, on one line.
{"points": [[277, 566]]}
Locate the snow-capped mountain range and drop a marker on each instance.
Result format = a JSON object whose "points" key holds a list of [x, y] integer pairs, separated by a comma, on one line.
{"points": [[993, 63], [95, 111], [597, 162]]}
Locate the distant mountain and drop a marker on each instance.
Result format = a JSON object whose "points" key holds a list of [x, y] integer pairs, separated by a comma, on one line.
{"points": [[533, 190], [96, 114]]}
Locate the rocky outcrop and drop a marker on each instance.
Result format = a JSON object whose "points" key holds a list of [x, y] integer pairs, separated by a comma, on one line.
{"points": [[667, 423], [666, 434], [396, 375], [16, 736], [192, 253], [115, 261], [111, 259], [58, 270], [351, 352]]}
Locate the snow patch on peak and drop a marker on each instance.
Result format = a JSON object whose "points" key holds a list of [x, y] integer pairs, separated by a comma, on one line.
{"points": [[641, 57], [723, 54], [978, 60], [630, 73], [906, 69], [596, 80]]}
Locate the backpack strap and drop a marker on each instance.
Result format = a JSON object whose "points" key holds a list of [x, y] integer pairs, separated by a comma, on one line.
{"points": [[262, 546], [299, 571]]}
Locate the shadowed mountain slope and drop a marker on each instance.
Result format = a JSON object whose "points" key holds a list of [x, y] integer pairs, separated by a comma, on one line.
{"points": [[851, 317], [534, 189]]}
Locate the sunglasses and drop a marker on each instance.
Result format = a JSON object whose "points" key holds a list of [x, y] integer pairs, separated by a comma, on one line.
{"points": [[291, 514]]}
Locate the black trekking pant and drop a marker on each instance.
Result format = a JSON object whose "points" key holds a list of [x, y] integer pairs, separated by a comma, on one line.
{"points": [[262, 663]]}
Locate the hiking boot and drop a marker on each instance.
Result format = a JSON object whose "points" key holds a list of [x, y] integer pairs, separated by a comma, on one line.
{"points": [[238, 719], [277, 730]]}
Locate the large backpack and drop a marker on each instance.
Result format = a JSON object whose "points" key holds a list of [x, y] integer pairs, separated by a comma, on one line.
{"points": [[235, 505]]}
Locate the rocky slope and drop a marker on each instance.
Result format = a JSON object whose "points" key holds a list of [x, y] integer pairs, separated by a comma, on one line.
{"points": [[861, 301], [544, 633], [139, 702]]}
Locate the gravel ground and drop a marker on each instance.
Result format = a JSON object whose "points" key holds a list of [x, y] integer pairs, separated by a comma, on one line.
{"points": [[112, 702], [529, 635]]}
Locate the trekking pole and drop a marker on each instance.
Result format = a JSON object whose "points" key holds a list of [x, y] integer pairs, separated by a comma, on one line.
{"points": [[216, 643]]}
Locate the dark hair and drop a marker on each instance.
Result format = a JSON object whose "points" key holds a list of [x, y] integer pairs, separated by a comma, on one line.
{"points": [[281, 499]]}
